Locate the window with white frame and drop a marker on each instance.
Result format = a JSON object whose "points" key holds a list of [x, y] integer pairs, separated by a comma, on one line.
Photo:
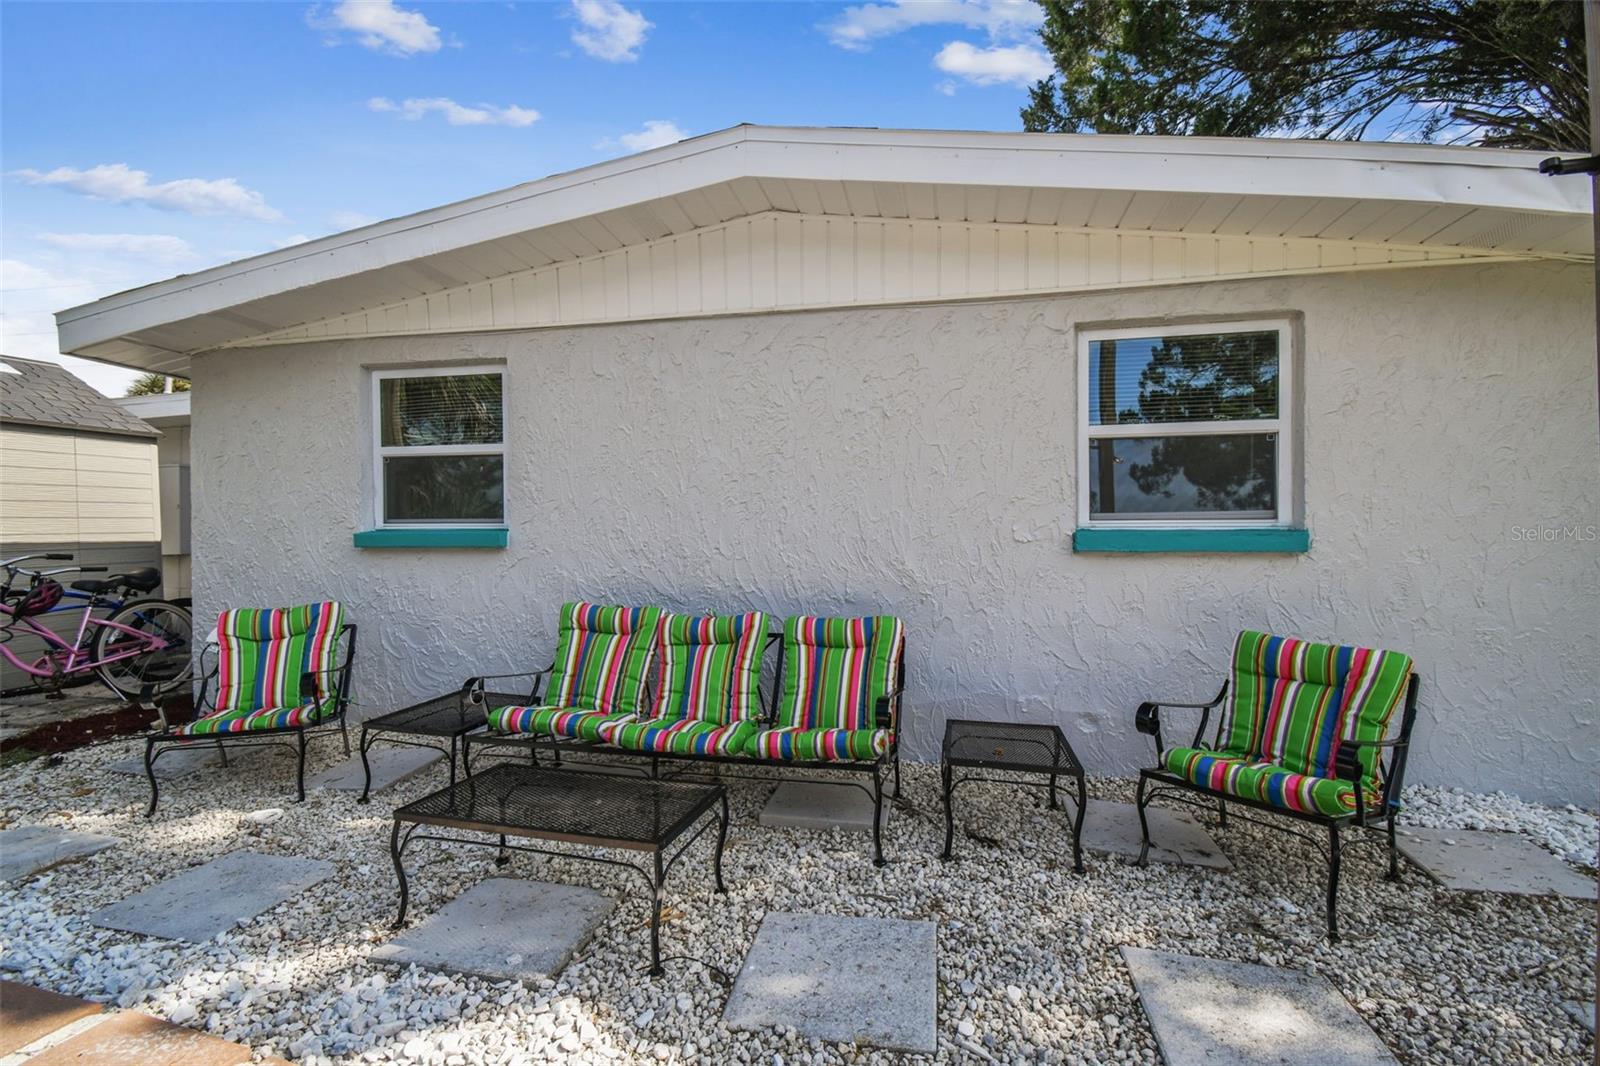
{"points": [[439, 446], [1185, 426]]}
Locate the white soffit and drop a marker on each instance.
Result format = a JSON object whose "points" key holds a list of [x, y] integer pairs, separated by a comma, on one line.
{"points": [[1392, 203]]}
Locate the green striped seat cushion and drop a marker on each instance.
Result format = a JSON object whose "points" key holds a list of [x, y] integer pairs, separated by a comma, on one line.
{"points": [[1292, 702], [603, 657], [262, 655], [710, 667], [245, 721], [567, 722], [820, 745], [1267, 783], [680, 736], [835, 670]]}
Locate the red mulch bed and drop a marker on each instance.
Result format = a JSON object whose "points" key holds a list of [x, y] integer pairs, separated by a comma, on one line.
{"points": [[81, 731]]}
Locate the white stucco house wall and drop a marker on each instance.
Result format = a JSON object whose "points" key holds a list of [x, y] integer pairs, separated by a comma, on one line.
{"points": [[1078, 409]]}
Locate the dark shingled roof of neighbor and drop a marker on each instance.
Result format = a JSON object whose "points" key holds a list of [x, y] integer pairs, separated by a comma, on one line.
{"points": [[44, 394]]}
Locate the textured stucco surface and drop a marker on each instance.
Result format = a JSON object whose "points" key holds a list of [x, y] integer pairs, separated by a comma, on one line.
{"points": [[920, 461]]}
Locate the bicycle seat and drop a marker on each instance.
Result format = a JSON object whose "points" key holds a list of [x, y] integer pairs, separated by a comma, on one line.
{"points": [[141, 580]]}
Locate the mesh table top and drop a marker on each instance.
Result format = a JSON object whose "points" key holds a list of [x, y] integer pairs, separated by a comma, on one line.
{"points": [[443, 716], [1008, 746], [610, 809]]}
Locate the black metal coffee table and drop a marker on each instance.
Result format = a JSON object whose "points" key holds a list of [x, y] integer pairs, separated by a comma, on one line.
{"points": [[449, 717], [603, 810], [1013, 748]]}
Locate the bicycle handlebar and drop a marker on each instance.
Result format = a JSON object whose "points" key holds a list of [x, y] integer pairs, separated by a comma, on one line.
{"points": [[59, 570], [55, 556]]}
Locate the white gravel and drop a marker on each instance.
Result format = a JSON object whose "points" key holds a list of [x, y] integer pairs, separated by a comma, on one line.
{"points": [[1028, 963]]}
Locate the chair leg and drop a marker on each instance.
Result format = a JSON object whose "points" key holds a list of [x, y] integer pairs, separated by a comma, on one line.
{"points": [[222, 754], [896, 773], [344, 731], [1394, 857], [1222, 813], [300, 767], [877, 817], [947, 776], [150, 772], [1333, 883], [1144, 824]]}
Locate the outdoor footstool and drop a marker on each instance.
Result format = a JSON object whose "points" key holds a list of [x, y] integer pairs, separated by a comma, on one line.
{"points": [[1301, 736], [430, 724], [1019, 750], [278, 678], [602, 661]]}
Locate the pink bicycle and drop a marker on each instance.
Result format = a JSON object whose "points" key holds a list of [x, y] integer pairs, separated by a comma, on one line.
{"points": [[139, 649]]}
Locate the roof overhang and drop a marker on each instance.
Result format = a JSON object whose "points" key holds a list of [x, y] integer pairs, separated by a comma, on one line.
{"points": [[1420, 197]]}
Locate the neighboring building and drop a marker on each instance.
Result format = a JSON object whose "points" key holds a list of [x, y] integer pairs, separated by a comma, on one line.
{"points": [[1078, 408], [169, 413], [77, 474]]}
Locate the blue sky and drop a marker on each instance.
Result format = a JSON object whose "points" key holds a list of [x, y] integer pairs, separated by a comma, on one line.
{"points": [[145, 140]]}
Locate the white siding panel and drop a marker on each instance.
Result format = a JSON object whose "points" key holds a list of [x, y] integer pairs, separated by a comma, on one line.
{"points": [[786, 260]]}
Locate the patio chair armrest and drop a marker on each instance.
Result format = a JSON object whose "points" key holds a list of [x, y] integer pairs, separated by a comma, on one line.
{"points": [[887, 714], [1346, 759], [1147, 719], [474, 687]]}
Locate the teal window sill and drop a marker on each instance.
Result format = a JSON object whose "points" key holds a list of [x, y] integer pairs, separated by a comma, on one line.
{"points": [[1192, 541], [431, 538]]}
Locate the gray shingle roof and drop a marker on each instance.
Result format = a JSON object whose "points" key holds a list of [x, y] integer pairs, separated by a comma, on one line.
{"points": [[44, 394]]}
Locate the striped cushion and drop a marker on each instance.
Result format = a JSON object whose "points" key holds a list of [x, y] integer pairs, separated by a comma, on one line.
{"points": [[680, 736], [1293, 702], [566, 722], [603, 657], [1267, 783], [244, 721], [262, 655], [710, 667], [836, 669], [820, 745]]}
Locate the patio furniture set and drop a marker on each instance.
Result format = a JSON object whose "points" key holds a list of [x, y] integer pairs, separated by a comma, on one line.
{"points": [[1304, 734]]}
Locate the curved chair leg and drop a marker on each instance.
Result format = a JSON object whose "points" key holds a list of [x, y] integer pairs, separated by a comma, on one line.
{"points": [[897, 773], [877, 817], [150, 772], [300, 767], [222, 753], [1077, 826], [1333, 883], [1144, 824]]}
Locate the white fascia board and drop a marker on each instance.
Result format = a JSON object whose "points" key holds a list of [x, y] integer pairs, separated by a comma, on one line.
{"points": [[1355, 170]]}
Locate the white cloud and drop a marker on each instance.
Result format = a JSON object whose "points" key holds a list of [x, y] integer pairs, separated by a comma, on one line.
{"points": [[857, 27], [343, 220], [158, 247], [121, 184], [382, 27], [654, 134], [457, 114], [610, 31], [32, 292], [1019, 64]]}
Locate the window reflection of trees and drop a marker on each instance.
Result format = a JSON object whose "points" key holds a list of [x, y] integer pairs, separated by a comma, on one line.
{"points": [[1202, 378]]}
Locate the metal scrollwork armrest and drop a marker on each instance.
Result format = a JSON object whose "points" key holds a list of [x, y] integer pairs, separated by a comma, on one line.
{"points": [[1147, 719]]}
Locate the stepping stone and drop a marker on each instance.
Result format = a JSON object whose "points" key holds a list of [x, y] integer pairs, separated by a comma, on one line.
{"points": [[178, 762], [27, 851], [812, 805], [132, 1037], [1582, 1013], [27, 1013], [1473, 860], [1205, 1011], [504, 929], [841, 980], [198, 904], [391, 764], [1175, 836]]}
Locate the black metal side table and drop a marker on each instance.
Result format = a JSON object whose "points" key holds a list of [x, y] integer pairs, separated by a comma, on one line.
{"points": [[1012, 748], [442, 718]]}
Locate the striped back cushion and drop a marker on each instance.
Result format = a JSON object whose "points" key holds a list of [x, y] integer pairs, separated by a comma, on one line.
{"points": [[603, 657], [1294, 701], [711, 667], [836, 669], [262, 654]]}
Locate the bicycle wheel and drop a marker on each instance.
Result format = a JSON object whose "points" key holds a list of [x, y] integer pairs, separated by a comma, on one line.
{"points": [[154, 672]]}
